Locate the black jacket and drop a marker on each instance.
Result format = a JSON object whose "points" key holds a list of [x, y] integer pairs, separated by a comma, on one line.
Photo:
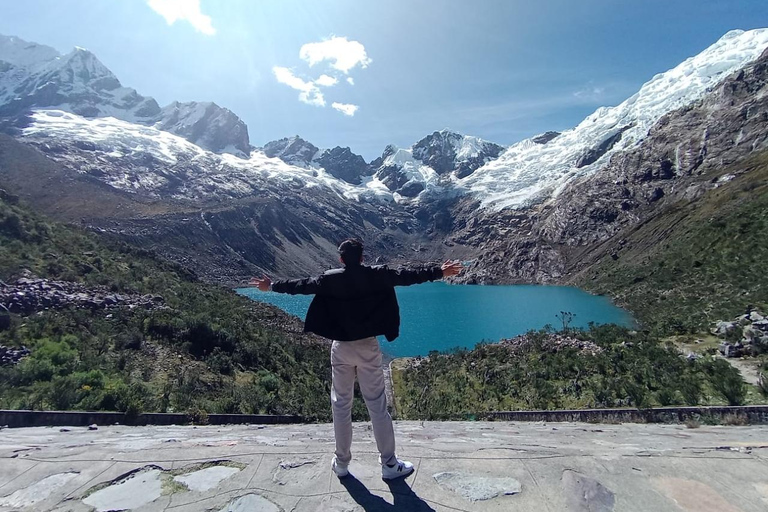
{"points": [[357, 301]]}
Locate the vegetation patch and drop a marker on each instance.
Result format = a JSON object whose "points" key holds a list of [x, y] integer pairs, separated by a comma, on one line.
{"points": [[697, 261], [631, 369], [207, 350]]}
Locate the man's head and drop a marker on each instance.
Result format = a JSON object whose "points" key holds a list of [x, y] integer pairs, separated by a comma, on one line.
{"points": [[351, 252]]}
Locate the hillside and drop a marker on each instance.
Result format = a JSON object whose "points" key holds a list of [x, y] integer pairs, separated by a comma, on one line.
{"points": [[694, 262], [141, 334], [537, 211]]}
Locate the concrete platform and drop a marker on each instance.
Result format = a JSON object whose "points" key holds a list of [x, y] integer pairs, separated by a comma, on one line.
{"points": [[468, 466]]}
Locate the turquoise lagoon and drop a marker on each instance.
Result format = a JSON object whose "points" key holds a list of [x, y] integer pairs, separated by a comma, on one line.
{"points": [[440, 316]]}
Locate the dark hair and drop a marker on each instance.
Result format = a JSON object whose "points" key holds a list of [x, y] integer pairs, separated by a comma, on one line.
{"points": [[351, 251]]}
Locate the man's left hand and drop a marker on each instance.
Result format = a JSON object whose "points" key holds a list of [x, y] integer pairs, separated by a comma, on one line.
{"points": [[262, 283], [451, 268]]}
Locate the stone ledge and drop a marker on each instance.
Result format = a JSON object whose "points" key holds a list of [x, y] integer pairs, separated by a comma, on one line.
{"points": [[752, 414], [16, 419]]}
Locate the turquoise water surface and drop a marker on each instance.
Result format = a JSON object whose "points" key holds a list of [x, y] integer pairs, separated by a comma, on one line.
{"points": [[439, 316]]}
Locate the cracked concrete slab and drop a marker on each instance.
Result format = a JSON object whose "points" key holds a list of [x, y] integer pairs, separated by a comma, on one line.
{"points": [[131, 491], [585, 494], [476, 487], [287, 467]]}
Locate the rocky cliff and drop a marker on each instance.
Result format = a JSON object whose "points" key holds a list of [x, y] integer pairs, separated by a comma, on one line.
{"points": [[34, 76], [682, 157], [543, 210]]}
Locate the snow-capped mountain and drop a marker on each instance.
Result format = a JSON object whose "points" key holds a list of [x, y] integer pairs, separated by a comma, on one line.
{"points": [[34, 76], [339, 162], [38, 76], [528, 172], [434, 164], [292, 150], [155, 163], [416, 202], [344, 164], [207, 125], [443, 164]]}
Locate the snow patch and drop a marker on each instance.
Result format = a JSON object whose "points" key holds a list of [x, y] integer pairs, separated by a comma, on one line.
{"points": [[528, 173]]}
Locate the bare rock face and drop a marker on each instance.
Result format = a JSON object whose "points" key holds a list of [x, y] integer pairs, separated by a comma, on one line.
{"points": [[545, 137], [77, 81], [292, 150], [344, 164], [29, 295], [678, 161], [36, 76], [208, 125]]}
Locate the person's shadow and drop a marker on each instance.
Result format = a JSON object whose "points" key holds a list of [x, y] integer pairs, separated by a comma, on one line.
{"points": [[404, 497]]}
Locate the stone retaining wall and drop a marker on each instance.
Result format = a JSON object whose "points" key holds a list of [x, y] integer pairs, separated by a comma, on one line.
{"points": [[83, 419], [753, 415]]}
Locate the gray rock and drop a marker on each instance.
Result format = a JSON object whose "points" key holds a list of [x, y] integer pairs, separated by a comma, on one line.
{"points": [[585, 494], [344, 164], [545, 137], [476, 487], [291, 150], [249, 503], [723, 328], [206, 124]]}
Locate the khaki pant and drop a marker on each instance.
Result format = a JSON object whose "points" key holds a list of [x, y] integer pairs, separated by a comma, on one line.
{"points": [[364, 357]]}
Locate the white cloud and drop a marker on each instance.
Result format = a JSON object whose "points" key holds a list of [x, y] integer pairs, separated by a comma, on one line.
{"points": [[350, 80], [345, 108], [309, 92], [342, 53], [326, 81], [591, 92], [185, 10]]}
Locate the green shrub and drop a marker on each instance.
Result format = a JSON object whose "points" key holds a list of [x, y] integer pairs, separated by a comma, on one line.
{"points": [[727, 381]]}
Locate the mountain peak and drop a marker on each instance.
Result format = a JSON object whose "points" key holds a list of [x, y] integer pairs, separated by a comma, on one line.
{"points": [[22, 53], [83, 67], [291, 150], [206, 124], [446, 151]]}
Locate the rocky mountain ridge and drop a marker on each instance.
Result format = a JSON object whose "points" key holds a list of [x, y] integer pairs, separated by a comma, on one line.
{"points": [[682, 157], [37, 76], [339, 162], [539, 211]]}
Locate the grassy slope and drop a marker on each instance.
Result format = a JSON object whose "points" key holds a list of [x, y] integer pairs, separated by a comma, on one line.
{"points": [[691, 264], [695, 263], [633, 369], [211, 349]]}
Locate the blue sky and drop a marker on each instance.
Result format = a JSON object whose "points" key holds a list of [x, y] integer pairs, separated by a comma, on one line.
{"points": [[501, 70]]}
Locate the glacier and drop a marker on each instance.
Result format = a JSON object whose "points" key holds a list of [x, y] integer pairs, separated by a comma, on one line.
{"points": [[528, 173], [524, 174]]}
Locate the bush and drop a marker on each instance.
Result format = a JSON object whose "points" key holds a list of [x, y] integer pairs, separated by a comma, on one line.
{"points": [[727, 381]]}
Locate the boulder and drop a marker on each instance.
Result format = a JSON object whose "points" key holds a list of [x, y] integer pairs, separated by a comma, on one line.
{"points": [[723, 328]]}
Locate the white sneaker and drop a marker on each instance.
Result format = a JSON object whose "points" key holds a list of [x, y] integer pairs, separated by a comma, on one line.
{"points": [[398, 470], [339, 468]]}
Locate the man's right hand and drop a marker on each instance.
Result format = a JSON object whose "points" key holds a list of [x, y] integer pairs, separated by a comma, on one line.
{"points": [[451, 268], [262, 283]]}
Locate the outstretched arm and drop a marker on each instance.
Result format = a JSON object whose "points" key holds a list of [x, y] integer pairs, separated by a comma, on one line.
{"points": [[407, 277], [308, 286]]}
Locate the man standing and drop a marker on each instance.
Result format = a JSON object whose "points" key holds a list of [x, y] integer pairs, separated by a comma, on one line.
{"points": [[353, 305]]}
